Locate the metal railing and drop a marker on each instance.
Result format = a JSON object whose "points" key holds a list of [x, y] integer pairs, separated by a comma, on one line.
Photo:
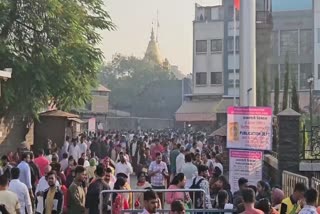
{"points": [[315, 184], [197, 211], [131, 210], [290, 179]]}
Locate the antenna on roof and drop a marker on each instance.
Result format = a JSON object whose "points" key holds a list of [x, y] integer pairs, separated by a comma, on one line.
{"points": [[158, 25]]}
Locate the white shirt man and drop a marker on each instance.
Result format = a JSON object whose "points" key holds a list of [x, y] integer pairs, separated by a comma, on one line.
{"points": [[64, 162], [22, 192], [65, 147], [75, 151], [199, 145], [189, 170], [180, 160], [83, 148], [25, 172], [123, 166]]}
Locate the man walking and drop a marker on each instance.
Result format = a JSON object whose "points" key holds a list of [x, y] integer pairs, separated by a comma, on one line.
{"points": [[6, 167], [98, 185], [150, 202], [25, 173], [77, 196], [249, 201], [189, 170], [52, 197], [291, 204], [311, 197], [180, 160], [41, 161], [158, 171], [124, 166], [8, 200], [21, 190]]}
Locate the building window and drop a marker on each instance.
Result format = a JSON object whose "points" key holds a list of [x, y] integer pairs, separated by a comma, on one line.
{"points": [[293, 72], [201, 78], [275, 74], [216, 45], [261, 5], [275, 41], [289, 42], [305, 73], [306, 42], [216, 78], [230, 84], [201, 46], [230, 12], [207, 13], [230, 44], [230, 71], [282, 76]]}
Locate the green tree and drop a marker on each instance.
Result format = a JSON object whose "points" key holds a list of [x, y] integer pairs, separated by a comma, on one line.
{"points": [[286, 86], [294, 96], [276, 96], [51, 47], [129, 77]]}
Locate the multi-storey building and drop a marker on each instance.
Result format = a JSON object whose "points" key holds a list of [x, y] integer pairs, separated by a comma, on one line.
{"points": [[316, 43], [214, 61], [295, 41]]}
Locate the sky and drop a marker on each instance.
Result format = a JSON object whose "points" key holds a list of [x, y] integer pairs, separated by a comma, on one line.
{"points": [[280, 5], [134, 18], [134, 21]]}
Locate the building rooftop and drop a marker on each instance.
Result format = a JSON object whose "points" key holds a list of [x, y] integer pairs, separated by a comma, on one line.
{"points": [[102, 88], [58, 113]]}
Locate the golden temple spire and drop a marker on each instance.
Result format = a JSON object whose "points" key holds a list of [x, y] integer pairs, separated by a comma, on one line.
{"points": [[153, 53]]}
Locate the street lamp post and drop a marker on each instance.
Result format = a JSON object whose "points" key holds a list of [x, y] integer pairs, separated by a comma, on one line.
{"points": [[310, 81]]}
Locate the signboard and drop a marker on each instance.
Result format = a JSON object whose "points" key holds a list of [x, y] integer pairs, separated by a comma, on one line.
{"points": [[249, 128], [246, 164], [92, 125]]}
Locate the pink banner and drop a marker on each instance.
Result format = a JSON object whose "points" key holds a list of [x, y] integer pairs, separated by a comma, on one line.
{"points": [[249, 128]]}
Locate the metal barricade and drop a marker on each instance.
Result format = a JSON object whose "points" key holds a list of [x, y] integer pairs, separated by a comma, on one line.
{"points": [[315, 184], [198, 211], [110, 192], [290, 179]]}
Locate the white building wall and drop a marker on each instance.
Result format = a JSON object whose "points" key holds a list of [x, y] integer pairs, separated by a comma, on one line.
{"points": [[316, 43], [233, 62], [208, 62]]}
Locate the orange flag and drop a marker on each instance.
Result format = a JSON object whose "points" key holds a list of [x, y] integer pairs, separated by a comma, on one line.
{"points": [[237, 4]]}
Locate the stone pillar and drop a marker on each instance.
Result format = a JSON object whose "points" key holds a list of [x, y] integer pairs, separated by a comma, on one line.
{"points": [[289, 142]]}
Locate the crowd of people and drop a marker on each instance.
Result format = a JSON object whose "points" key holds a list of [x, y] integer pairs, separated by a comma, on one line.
{"points": [[69, 178]]}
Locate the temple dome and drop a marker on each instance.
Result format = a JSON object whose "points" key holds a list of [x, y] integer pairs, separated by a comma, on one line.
{"points": [[153, 52]]}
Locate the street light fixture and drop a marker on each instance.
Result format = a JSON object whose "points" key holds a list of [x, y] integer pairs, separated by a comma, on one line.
{"points": [[310, 81]]}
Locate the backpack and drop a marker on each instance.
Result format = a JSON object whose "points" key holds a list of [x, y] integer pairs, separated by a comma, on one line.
{"points": [[197, 196], [3, 209]]}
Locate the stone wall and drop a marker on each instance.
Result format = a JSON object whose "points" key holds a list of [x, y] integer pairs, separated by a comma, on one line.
{"points": [[13, 131], [129, 123]]}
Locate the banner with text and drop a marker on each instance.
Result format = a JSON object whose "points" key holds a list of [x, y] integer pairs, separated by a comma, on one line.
{"points": [[246, 164], [249, 128]]}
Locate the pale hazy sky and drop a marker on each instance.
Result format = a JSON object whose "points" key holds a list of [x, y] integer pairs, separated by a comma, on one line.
{"points": [[134, 20]]}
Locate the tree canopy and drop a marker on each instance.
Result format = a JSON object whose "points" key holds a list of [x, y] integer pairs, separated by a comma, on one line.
{"points": [[51, 47], [128, 77]]}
